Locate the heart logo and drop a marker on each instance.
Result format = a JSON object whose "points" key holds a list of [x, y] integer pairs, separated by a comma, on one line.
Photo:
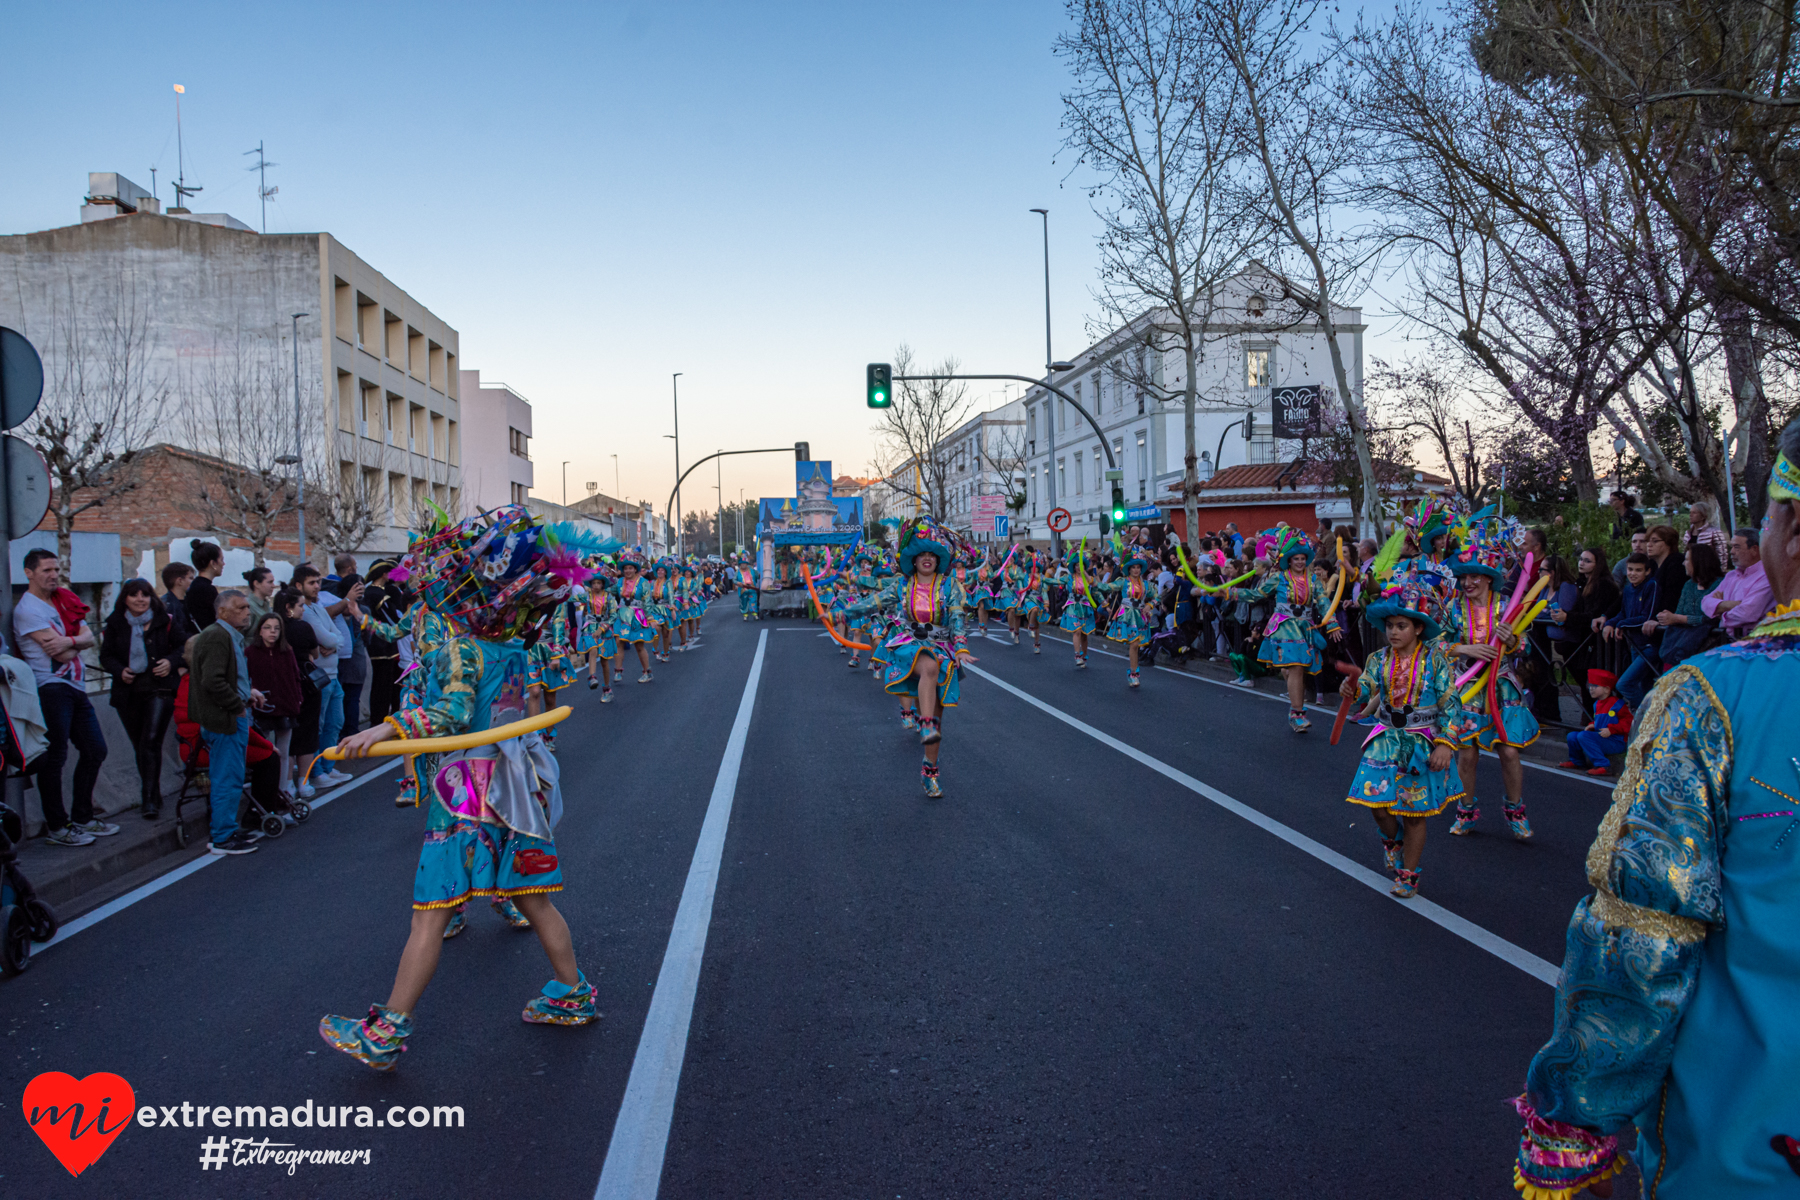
{"points": [[78, 1118]]}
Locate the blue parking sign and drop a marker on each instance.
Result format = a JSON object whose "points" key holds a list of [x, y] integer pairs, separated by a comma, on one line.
{"points": [[1002, 525]]}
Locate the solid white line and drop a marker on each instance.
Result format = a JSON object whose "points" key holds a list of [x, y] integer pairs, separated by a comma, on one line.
{"points": [[206, 859], [1328, 710], [1470, 932], [640, 1137]]}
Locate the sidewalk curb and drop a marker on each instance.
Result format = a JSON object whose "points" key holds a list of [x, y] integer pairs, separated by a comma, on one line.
{"points": [[96, 873]]}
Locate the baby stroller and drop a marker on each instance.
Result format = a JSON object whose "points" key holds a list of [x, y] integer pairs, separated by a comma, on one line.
{"points": [[24, 918], [263, 776]]}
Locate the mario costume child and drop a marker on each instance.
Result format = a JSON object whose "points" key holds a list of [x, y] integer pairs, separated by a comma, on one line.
{"points": [[1606, 734]]}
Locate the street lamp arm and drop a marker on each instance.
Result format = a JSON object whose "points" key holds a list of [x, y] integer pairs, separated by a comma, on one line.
{"points": [[1105, 445], [720, 454]]}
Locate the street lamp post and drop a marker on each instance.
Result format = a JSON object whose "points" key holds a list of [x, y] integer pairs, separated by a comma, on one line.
{"points": [[1049, 402], [565, 473], [719, 511], [617, 494], [299, 461], [675, 392]]}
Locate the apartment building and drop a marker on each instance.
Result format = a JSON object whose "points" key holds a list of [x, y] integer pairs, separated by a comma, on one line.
{"points": [[1253, 345], [985, 456], [209, 308], [496, 425]]}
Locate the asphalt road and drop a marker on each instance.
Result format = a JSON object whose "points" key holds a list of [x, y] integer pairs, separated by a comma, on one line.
{"points": [[1075, 975]]}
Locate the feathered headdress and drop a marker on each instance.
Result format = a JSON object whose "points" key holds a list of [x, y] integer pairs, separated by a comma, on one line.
{"points": [[1409, 594], [1289, 542], [922, 535], [1486, 543]]}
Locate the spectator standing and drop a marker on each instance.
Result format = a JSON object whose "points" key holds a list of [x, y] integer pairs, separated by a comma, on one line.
{"points": [[219, 699], [1743, 598], [1627, 520], [202, 598], [353, 656], [1635, 622], [1664, 548], [176, 577], [141, 649], [321, 614], [275, 672], [1596, 598], [259, 590], [50, 633], [305, 644], [1640, 542], [1547, 636], [383, 602], [1702, 531]]}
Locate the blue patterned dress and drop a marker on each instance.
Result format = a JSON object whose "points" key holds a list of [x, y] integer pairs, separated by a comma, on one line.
{"points": [[1295, 634], [1139, 612], [1078, 611], [1418, 709], [927, 619], [635, 619], [1475, 626]]}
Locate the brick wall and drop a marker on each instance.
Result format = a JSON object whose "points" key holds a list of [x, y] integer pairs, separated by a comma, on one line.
{"points": [[165, 506]]}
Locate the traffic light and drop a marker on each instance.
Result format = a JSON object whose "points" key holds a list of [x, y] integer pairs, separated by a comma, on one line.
{"points": [[881, 385], [1118, 504], [1250, 425], [802, 451]]}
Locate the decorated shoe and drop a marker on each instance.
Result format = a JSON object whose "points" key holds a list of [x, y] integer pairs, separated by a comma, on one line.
{"points": [[1131, 679], [1390, 853], [1015, 637], [1298, 723], [1036, 649], [560, 1004], [928, 775], [378, 1039], [592, 683], [853, 663], [644, 678], [1515, 821], [929, 734], [456, 925], [1466, 817], [1406, 884], [909, 719], [1081, 662], [606, 695], [509, 912], [619, 675]]}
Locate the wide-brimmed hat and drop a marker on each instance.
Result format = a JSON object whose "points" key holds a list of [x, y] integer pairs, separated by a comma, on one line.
{"points": [[922, 535], [1408, 594], [1289, 542]]}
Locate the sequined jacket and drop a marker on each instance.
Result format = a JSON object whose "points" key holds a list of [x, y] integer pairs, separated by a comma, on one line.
{"points": [[1679, 1004]]}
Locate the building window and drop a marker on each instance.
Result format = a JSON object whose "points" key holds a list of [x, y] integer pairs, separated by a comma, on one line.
{"points": [[1031, 425], [519, 492], [1256, 306], [1062, 483], [519, 443], [1143, 465], [1256, 368], [1078, 476], [1097, 488]]}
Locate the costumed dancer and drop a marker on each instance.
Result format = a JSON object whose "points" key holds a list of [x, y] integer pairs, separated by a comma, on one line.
{"points": [[600, 631], [1031, 604], [1474, 632], [1016, 577], [658, 609], [634, 623], [552, 666], [1291, 640], [1078, 610], [749, 599], [981, 594], [925, 654], [1675, 1009], [1138, 613], [692, 607], [860, 627], [1405, 774], [496, 579]]}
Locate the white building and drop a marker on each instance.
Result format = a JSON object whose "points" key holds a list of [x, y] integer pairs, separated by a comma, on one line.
{"points": [[208, 305], [1254, 345], [985, 456], [496, 466]]}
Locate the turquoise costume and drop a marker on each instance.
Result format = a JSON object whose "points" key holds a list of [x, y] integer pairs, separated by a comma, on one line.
{"points": [[1029, 601], [1469, 626], [552, 656], [1676, 1010], [1139, 612], [491, 810], [1417, 708], [1078, 611], [749, 600], [928, 620], [1293, 635], [635, 620], [600, 631]]}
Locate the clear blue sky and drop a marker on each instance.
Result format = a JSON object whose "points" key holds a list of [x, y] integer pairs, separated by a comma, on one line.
{"points": [[762, 196]]}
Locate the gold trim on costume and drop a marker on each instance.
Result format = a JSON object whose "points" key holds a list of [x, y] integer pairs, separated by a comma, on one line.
{"points": [[1652, 921]]}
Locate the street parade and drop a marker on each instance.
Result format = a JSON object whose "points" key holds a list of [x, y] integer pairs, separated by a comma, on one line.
{"points": [[1235, 636]]}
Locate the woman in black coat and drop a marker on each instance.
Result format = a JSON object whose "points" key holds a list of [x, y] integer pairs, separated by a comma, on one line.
{"points": [[141, 649]]}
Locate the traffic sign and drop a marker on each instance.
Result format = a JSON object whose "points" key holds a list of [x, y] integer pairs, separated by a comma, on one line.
{"points": [[21, 379], [987, 508], [27, 487], [1002, 526], [1060, 519]]}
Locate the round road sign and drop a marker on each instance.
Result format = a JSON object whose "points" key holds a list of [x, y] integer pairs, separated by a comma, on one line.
{"points": [[1060, 519], [27, 486], [21, 379]]}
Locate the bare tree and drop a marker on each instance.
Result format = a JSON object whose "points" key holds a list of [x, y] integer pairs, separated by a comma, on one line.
{"points": [[347, 501], [1297, 132], [237, 410], [104, 398], [1433, 400], [1153, 114], [1003, 452], [914, 431]]}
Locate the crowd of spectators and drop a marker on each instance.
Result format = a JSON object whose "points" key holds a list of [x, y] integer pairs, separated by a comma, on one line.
{"points": [[256, 680]]}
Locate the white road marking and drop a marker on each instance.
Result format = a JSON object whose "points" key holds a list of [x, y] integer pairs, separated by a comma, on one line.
{"points": [[207, 859], [1328, 710], [640, 1136], [1470, 932]]}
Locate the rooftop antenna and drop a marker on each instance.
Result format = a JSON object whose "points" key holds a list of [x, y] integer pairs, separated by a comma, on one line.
{"points": [[261, 167], [153, 194], [182, 191]]}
